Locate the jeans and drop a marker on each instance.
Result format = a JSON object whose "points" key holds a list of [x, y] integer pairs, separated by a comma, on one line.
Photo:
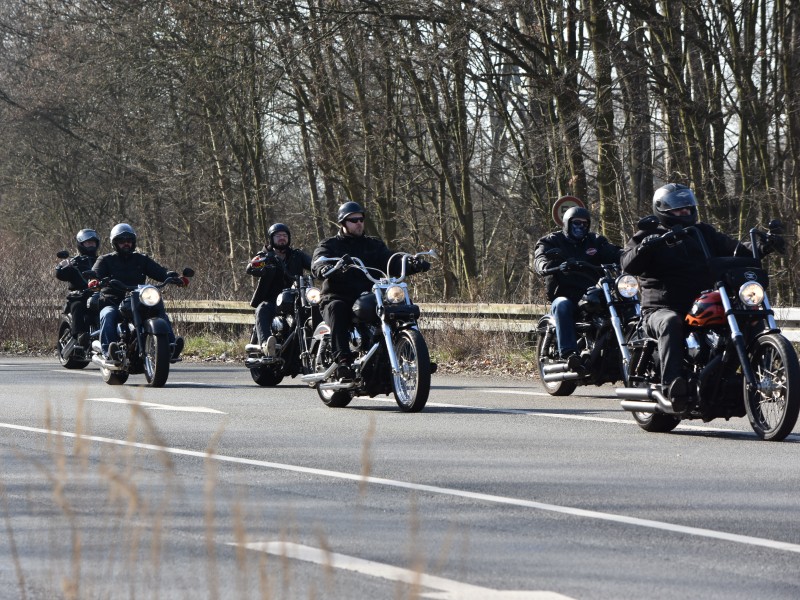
{"points": [[563, 311], [265, 312], [109, 318]]}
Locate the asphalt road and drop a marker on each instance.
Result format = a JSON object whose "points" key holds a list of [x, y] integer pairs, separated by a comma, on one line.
{"points": [[215, 488]]}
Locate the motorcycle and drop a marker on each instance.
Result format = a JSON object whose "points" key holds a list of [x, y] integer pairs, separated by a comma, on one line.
{"points": [[143, 345], [605, 314], [74, 352], [391, 353], [297, 313], [737, 360]]}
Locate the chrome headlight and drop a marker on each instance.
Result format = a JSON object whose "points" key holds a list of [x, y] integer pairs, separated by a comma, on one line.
{"points": [[627, 286], [149, 295], [751, 293], [313, 295], [395, 294]]}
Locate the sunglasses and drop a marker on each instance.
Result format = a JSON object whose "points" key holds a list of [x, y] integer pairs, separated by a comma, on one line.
{"points": [[355, 220]]}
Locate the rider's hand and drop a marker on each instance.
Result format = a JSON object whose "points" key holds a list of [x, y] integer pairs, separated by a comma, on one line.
{"points": [[420, 265], [652, 241], [346, 260], [568, 265], [64, 264], [257, 261]]}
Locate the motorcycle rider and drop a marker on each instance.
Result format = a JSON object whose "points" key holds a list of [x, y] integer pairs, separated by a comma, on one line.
{"points": [[565, 288], [131, 268], [276, 266], [71, 270], [341, 288], [673, 272]]}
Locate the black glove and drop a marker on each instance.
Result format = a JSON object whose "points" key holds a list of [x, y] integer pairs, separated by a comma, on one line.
{"points": [[421, 265], [568, 265], [774, 243], [651, 242]]}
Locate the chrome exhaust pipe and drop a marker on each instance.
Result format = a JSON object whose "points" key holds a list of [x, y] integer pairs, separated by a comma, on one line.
{"points": [[97, 358], [553, 377], [313, 378], [645, 407], [555, 368], [644, 397], [337, 385]]}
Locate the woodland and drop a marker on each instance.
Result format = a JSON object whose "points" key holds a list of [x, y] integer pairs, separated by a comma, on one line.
{"points": [[457, 124]]}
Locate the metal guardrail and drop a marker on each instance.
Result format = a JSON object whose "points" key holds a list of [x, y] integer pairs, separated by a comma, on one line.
{"points": [[519, 318]]}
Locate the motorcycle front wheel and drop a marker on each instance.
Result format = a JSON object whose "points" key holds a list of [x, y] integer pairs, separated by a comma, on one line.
{"points": [[412, 382], [64, 338], [773, 406], [156, 359], [545, 349]]}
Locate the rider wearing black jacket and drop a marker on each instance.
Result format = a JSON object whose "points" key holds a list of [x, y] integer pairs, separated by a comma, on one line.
{"points": [[341, 288], [276, 267], [71, 270], [131, 268], [673, 273], [566, 287]]}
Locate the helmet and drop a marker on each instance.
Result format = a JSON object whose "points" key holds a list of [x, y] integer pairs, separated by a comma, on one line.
{"points": [[275, 228], [122, 231], [576, 212], [671, 196], [347, 209], [84, 235], [706, 311]]}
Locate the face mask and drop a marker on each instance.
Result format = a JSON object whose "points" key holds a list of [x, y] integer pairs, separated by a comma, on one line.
{"points": [[578, 230]]}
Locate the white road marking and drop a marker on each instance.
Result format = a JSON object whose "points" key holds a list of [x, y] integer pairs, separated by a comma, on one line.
{"points": [[156, 406], [431, 489], [448, 589]]}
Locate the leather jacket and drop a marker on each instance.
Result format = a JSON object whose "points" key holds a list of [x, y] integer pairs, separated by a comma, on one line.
{"points": [[277, 274]]}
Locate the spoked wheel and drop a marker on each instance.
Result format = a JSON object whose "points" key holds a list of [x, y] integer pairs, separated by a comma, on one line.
{"points": [[652, 422], [774, 405], [267, 376], [156, 359], [64, 338], [412, 382], [331, 398], [546, 350]]}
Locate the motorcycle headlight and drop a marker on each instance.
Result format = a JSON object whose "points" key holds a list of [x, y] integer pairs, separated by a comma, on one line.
{"points": [[313, 295], [751, 293], [627, 286], [149, 295], [395, 294]]}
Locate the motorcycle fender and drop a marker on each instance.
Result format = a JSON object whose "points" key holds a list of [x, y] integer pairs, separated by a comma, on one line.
{"points": [[546, 322], [157, 326], [321, 330]]}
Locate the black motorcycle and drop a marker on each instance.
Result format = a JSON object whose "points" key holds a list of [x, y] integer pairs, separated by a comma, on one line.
{"points": [[297, 314], [605, 315], [392, 355], [144, 345], [737, 361], [75, 352]]}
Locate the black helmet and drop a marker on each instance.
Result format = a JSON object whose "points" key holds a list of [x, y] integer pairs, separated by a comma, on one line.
{"points": [[84, 235], [275, 228], [122, 231], [347, 209], [670, 197], [576, 212]]}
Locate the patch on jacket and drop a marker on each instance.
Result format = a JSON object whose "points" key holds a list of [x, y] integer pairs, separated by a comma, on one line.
{"points": [[591, 251]]}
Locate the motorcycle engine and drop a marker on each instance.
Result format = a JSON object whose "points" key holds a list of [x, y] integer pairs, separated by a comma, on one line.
{"points": [[355, 340], [280, 326]]}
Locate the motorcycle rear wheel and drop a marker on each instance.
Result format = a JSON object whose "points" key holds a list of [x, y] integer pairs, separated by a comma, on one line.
{"points": [[773, 408], [267, 376], [114, 377], [156, 359], [64, 338], [543, 354], [412, 384]]}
